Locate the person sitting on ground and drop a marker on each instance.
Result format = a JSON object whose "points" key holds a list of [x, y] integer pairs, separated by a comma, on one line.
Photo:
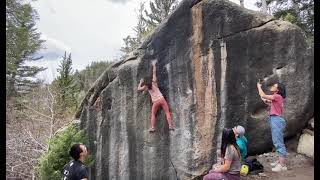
{"points": [[231, 165], [241, 140], [75, 169], [156, 96]]}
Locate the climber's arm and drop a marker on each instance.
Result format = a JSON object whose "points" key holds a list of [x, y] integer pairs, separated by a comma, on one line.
{"points": [[154, 71], [225, 167], [141, 87], [262, 94], [266, 101]]}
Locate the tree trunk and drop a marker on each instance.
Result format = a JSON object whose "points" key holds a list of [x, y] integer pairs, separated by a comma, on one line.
{"points": [[264, 6], [11, 92], [295, 6], [241, 3]]}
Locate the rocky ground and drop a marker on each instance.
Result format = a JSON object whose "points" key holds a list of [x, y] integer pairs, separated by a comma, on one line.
{"points": [[300, 167]]}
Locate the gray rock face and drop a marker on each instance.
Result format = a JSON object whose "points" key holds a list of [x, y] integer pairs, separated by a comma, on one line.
{"points": [[311, 124], [210, 56]]}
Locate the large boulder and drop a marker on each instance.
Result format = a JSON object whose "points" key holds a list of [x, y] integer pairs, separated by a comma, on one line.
{"points": [[210, 56], [306, 145]]}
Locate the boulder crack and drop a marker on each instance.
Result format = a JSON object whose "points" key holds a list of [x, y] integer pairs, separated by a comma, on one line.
{"points": [[174, 169], [244, 30]]}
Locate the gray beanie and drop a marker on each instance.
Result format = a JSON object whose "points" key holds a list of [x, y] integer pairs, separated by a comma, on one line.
{"points": [[240, 130]]}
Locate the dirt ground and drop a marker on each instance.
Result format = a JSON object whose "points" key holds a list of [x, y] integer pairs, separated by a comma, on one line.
{"points": [[299, 167]]}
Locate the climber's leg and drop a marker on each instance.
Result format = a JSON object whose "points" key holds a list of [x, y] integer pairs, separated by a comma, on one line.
{"points": [[154, 110], [165, 108], [278, 125]]}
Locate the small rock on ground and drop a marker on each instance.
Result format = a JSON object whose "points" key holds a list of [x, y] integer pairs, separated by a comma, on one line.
{"points": [[300, 167]]}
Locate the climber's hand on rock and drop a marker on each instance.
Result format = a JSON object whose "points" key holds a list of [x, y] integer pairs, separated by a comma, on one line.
{"points": [[259, 85], [154, 62]]}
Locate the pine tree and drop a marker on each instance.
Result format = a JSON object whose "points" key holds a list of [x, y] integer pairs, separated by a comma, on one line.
{"points": [[22, 43], [241, 3], [299, 12], [130, 43], [264, 6], [160, 9], [147, 22], [65, 84], [141, 31]]}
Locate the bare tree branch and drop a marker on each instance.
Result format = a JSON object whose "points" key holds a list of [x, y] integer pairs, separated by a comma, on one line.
{"points": [[43, 115], [18, 173], [12, 167], [17, 154], [62, 128], [52, 115], [30, 134]]}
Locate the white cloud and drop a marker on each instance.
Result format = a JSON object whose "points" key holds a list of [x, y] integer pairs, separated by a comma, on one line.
{"points": [[119, 1], [249, 4], [52, 55], [53, 48], [91, 30]]}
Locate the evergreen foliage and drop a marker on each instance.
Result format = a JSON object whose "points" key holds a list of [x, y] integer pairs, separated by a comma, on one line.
{"points": [[52, 162], [22, 43], [299, 12], [148, 21]]}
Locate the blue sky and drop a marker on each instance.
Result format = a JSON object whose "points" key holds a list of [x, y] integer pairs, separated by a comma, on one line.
{"points": [[92, 30]]}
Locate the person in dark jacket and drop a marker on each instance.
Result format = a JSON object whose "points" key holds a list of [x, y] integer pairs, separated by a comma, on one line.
{"points": [[75, 169]]}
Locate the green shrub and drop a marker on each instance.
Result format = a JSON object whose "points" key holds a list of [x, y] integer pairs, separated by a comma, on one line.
{"points": [[52, 162]]}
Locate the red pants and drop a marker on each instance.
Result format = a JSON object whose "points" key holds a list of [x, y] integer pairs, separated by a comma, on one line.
{"points": [[156, 105]]}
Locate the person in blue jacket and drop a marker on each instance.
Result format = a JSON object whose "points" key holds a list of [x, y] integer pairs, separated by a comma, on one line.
{"points": [[242, 141]]}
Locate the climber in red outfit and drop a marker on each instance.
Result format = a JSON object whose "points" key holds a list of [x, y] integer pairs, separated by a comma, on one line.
{"points": [[156, 96]]}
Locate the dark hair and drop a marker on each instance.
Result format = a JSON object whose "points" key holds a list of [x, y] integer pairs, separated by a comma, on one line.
{"points": [[75, 151], [228, 138], [282, 90], [148, 82]]}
